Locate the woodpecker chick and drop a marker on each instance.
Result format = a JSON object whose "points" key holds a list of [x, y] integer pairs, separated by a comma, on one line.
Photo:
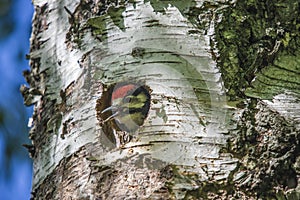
{"points": [[129, 106]]}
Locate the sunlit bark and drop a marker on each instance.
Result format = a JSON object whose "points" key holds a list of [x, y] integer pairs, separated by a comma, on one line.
{"points": [[195, 142]]}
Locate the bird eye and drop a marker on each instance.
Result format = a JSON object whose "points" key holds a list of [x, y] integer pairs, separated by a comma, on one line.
{"points": [[128, 99]]}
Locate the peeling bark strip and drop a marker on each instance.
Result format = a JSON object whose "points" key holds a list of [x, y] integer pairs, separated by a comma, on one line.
{"points": [[192, 144]]}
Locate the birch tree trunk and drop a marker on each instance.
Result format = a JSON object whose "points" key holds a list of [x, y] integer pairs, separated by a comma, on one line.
{"points": [[224, 113]]}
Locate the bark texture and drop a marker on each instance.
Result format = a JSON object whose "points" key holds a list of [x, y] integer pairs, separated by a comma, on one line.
{"points": [[224, 115]]}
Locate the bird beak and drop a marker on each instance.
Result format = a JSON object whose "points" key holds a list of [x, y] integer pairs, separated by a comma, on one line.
{"points": [[112, 116], [108, 109]]}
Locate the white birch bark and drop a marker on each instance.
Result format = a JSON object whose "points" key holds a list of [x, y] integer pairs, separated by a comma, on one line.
{"points": [[178, 148]]}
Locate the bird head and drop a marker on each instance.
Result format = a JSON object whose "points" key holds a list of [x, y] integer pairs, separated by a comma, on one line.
{"points": [[129, 106]]}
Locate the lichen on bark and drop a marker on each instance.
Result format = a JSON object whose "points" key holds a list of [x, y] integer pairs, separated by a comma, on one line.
{"points": [[258, 45]]}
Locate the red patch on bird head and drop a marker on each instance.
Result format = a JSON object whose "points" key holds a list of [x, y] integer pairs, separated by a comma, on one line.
{"points": [[122, 91]]}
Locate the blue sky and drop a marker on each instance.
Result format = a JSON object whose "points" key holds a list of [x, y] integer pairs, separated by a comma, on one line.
{"points": [[15, 164]]}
